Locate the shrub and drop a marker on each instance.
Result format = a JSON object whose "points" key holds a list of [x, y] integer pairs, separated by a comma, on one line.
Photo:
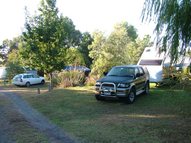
{"points": [[91, 80], [69, 79], [13, 69]]}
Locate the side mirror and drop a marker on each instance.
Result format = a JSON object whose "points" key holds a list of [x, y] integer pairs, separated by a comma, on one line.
{"points": [[138, 75], [105, 73]]}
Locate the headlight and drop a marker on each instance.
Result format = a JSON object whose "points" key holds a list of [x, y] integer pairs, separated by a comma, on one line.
{"points": [[123, 85], [98, 83]]}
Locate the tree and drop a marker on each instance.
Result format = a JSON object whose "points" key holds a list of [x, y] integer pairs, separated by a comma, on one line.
{"points": [[97, 52], [119, 48], [7, 47], [74, 57], [46, 38], [14, 64], [173, 24], [83, 48]]}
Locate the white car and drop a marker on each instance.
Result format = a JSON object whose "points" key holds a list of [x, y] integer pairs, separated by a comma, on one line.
{"points": [[27, 79]]}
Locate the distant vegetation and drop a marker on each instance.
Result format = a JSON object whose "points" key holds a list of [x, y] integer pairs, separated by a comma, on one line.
{"points": [[50, 41]]}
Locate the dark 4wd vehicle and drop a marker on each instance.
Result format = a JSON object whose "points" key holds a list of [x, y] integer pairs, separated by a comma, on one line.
{"points": [[123, 82]]}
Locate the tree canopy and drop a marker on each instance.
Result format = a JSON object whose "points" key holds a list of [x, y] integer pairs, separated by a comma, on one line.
{"points": [[46, 38], [173, 24], [121, 47]]}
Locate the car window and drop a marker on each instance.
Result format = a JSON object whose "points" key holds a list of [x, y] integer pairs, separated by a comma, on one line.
{"points": [[122, 71], [141, 71], [25, 76], [29, 76], [36, 76], [136, 71], [151, 62], [17, 77]]}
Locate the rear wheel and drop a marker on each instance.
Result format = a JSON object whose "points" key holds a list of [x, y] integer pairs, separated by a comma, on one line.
{"points": [[146, 88], [42, 82], [28, 84], [131, 96]]}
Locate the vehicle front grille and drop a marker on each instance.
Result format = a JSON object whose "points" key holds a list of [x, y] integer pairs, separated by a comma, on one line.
{"points": [[108, 89]]}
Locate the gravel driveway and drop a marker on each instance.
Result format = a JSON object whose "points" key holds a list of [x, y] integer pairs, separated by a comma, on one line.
{"points": [[13, 109]]}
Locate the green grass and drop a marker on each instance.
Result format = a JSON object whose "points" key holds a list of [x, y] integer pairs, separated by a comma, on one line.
{"points": [[163, 116]]}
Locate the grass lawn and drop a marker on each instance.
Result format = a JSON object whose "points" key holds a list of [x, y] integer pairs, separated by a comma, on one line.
{"points": [[161, 117]]}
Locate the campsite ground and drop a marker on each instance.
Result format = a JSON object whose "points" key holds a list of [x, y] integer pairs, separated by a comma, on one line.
{"points": [[163, 116]]}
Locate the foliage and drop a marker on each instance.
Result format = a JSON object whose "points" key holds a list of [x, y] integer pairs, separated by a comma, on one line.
{"points": [[69, 78], [97, 51], [176, 78], [74, 57], [46, 38], [173, 24], [83, 48], [8, 46], [13, 69], [91, 80], [118, 49], [13, 64]]}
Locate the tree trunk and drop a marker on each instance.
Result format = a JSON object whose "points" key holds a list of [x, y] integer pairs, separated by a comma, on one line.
{"points": [[51, 84]]}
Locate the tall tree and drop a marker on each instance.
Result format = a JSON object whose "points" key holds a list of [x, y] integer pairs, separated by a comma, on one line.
{"points": [[97, 52], [83, 48], [46, 38], [173, 24], [7, 47], [119, 48], [74, 57]]}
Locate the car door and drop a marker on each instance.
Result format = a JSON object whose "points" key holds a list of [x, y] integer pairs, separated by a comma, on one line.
{"points": [[142, 78], [37, 79], [139, 79], [31, 79]]}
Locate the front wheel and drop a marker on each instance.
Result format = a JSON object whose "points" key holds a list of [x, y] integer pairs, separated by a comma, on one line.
{"points": [[99, 98], [131, 97]]}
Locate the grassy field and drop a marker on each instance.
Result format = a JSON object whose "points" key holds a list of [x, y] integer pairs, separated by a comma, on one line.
{"points": [[161, 117]]}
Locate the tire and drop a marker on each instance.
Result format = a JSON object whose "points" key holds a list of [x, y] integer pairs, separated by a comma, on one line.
{"points": [[131, 97], [99, 98], [28, 84], [146, 88], [42, 82]]}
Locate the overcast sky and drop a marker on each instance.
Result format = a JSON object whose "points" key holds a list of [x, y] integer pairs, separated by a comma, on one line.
{"points": [[87, 15]]}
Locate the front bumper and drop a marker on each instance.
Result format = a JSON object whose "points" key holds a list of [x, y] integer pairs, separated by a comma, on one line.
{"points": [[110, 90]]}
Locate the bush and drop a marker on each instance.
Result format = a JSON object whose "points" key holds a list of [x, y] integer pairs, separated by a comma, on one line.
{"points": [[69, 79], [12, 70], [91, 80], [180, 80]]}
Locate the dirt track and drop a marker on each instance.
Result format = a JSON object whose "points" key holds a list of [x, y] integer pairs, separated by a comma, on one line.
{"points": [[17, 115]]}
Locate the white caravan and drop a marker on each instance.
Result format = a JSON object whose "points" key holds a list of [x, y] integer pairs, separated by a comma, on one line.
{"points": [[154, 62], [3, 73]]}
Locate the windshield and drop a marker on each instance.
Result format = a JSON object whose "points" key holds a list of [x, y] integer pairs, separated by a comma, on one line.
{"points": [[122, 71]]}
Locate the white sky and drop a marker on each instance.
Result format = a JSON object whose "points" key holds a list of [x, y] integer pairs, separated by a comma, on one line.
{"points": [[87, 15]]}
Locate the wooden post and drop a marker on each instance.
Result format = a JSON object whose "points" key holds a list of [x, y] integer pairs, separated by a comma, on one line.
{"points": [[38, 90], [49, 87]]}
